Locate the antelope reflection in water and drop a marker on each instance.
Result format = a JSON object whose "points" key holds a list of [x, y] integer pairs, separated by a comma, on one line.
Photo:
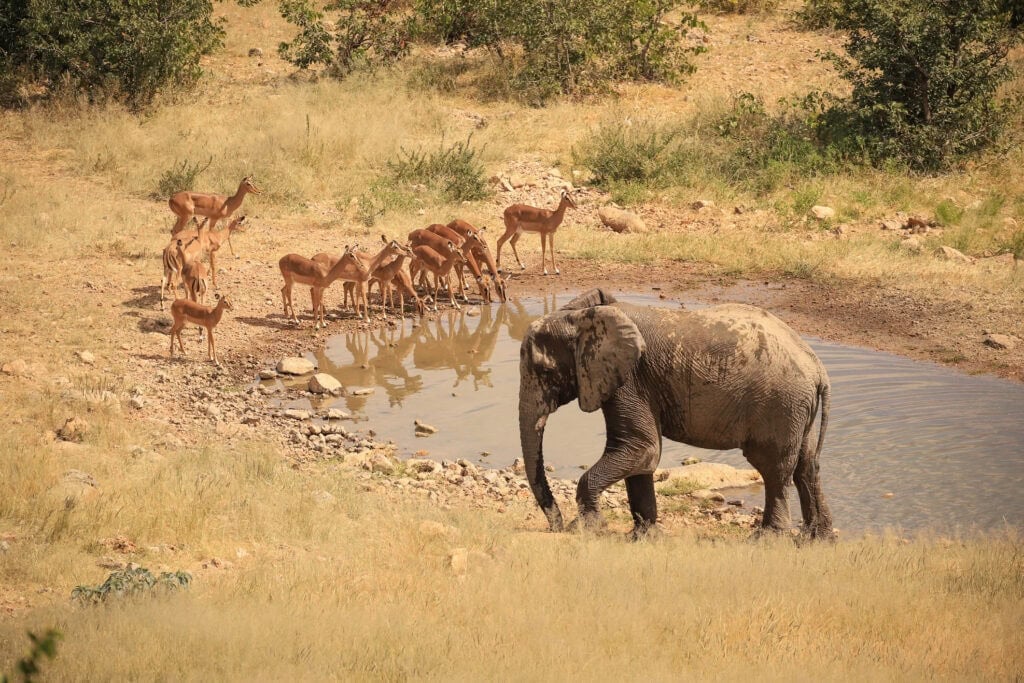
{"points": [[389, 358]]}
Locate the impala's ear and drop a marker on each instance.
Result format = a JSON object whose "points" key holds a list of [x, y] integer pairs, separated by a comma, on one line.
{"points": [[384, 239], [608, 345], [451, 245], [482, 229]]}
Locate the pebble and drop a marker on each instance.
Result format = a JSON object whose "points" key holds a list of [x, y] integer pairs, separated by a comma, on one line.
{"points": [[295, 366], [137, 402], [87, 357], [296, 414], [423, 429], [268, 374], [322, 383]]}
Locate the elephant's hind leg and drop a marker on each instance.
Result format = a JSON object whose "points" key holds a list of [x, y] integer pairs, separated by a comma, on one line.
{"points": [[817, 516], [776, 466], [642, 503]]}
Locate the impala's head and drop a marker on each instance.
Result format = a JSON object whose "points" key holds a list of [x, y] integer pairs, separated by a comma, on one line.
{"points": [[457, 255], [249, 186], [567, 199], [237, 224], [350, 256], [392, 245], [224, 302]]}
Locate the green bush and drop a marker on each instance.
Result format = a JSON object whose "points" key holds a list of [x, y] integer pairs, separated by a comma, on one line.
{"points": [[638, 152], [547, 47], [925, 77], [366, 34], [180, 176], [454, 171], [125, 49], [130, 583]]}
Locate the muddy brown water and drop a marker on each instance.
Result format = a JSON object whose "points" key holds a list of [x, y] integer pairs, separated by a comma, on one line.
{"points": [[910, 445]]}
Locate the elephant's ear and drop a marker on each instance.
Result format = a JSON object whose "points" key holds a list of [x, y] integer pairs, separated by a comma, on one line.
{"points": [[595, 297], [608, 346]]}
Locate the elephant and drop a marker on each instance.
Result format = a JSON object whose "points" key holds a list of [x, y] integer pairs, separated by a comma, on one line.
{"points": [[728, 376]]}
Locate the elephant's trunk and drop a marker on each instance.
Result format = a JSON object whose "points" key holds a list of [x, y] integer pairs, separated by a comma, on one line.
{"points": [[533, 415]]}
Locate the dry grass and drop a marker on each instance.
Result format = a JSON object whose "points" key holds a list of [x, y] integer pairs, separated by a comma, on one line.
{"points": [[351, 586]]}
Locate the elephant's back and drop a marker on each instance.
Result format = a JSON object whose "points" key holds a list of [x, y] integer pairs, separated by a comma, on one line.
{"points": [[727, 367]]}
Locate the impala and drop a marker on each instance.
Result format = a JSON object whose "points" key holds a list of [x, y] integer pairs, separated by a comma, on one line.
{"points": [[185, 311], [520, 218], [299, 269], [186, 204]]}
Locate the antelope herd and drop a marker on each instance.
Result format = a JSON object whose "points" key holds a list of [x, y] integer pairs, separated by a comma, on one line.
{"points": [[438, 250]]}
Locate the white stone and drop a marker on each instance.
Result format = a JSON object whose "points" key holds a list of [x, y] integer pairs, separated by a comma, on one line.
{"points": [[823, 213], [621, 221], [296, 414], [950, 254], [295, 366], [322, 383]]}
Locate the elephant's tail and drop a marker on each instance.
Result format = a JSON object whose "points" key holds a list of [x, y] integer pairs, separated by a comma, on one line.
{"points": [[825, 401]]}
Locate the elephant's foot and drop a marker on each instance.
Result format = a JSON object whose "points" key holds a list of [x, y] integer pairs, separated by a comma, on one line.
{"points": [[648, 531], [817, 532], [590, 520]]}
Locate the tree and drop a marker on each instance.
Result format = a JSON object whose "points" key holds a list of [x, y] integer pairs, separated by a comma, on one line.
{"points": [[126, 49], [925, 75]]}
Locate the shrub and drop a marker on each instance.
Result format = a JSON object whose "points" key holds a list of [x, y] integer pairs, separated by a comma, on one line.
{"points": [[130, 583], [454, 171], [547, 46], [925, 77], [640, 151], [124, 49], [180, 176], [367, 34]]}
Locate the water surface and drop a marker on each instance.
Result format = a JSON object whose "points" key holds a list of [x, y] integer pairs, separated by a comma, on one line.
{"points": [[948, 447]]}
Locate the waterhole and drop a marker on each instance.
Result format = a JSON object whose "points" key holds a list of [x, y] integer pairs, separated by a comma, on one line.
{"points": [[910, 445]]}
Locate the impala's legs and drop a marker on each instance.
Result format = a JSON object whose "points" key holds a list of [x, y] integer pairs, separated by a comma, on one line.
{"points": [[213, 268], [515, 252], [543, 252], [551, 245]]}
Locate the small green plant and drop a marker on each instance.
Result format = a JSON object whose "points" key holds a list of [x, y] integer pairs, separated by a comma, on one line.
{"points": [[382, 197], [42, 646], [180, 176], [454, 171], [130, 583], [948, 213], [1013, 244], [630, 151], [679, 487]]}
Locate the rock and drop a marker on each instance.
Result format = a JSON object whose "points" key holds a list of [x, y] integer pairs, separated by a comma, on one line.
{"points": [[895, 226], [362, 392], [15, 367], [473, 311], [506, 185], [268, 374], [255, 52], [703, 204], [86, 357], [823, 213], [214, 411], [137, 402], [458, 560], [691, 460], [295, 366], [621, 221], [296, 414], [324, 498], [322, 383], [382, 464], [517, 181], [75, 485], [336, 414], [518, 467], [422, 465], [423, 429], [713, 475], [1001, 261], [950, 254], [1003, 342], [74, 429], [912, 245], [707, 494], [889, 494]]}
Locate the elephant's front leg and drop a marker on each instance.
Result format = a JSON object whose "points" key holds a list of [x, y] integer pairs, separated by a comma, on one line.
{"points": [[642, 503], [632, 452]]}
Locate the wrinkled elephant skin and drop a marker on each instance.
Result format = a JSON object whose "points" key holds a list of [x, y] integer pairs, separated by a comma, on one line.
{"points": [[730, 376]]}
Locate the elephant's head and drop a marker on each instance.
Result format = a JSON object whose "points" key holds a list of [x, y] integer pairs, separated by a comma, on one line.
{"points": [[584, 351]]}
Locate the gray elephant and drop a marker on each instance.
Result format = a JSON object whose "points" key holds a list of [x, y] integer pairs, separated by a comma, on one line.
{"points": [[730, 376]]}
